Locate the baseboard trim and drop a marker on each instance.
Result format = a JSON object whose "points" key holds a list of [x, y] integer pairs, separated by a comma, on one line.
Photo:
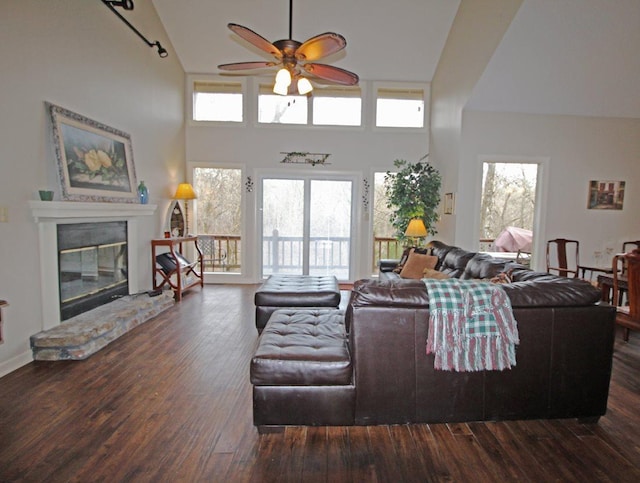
{"points": [[16, 363]]}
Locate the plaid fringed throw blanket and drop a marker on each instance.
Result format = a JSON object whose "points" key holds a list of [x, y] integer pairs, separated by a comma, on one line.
{"points": [[471, 326]]}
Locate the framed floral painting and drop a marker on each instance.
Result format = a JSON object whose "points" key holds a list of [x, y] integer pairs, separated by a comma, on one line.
{"points": [[95, 161]]}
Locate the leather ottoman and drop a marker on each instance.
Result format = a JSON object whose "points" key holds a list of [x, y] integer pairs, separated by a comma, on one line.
{"points": [[280, 291], [302, 372]]}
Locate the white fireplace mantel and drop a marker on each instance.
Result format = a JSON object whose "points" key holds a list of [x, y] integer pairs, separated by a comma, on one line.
{"points": [[70, 211], [49, 214]]}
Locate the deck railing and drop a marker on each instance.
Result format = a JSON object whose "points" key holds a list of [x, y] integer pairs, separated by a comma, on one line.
{"points": [[384, 248], [221, 253], [282, 254]]}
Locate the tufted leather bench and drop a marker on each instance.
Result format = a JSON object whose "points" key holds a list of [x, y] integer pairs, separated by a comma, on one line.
{"points": [[302, 372], [280, 291]]}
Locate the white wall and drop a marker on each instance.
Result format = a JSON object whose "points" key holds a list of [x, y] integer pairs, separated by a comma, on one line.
{"points": [[579, 149], [354, 151], [76, 54], [473, 38]]}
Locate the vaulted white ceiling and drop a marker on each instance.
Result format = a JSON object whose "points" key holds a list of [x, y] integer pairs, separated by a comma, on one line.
{"points": [[558, 56]]}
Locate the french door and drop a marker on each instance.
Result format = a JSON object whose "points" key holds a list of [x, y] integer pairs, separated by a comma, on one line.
{"points": [[306, 226]]}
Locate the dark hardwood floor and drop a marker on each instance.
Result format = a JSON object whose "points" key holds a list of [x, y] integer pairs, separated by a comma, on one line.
{"points": [[171, 401]]}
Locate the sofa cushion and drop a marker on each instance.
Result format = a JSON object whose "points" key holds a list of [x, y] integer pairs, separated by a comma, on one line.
{"points": [[299, 291], [483, 266], [301, 347], [455, 261], [416, 264]]}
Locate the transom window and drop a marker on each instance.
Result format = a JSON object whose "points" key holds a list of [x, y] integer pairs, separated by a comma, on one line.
{"points": [[337, 106], [277, 109], [217, 101], [398, 107]]}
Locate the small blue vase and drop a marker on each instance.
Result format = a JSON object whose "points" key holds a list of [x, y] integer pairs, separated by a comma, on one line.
{"points": [[143, 193]]}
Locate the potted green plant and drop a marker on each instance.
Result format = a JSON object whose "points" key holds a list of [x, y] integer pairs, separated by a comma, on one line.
{"points": [[413, 191]]}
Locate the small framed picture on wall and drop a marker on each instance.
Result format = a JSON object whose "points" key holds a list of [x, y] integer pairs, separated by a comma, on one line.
{"points": [[606, 195], [449, 203]]}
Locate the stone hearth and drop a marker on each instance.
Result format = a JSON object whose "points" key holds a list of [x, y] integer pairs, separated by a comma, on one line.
{"points": [[87, 333]]}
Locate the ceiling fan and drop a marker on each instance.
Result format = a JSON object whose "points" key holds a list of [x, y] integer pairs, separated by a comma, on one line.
{"points": [[297, 59]]}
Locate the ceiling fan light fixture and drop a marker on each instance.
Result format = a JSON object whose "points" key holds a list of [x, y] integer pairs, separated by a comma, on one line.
{"points": [[283, 77], [280, 89], [304, 86], [294, 57]]}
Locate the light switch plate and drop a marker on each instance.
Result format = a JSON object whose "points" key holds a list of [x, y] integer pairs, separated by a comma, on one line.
{"points": [[4, 214]]}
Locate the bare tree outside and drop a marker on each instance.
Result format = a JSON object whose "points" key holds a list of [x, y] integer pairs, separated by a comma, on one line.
{"points": [[382, 215], [219, 201], [508, 197], [219, 220]]}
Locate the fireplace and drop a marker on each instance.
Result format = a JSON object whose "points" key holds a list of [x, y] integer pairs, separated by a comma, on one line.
{"points": [[50, 215], [92, 265]]}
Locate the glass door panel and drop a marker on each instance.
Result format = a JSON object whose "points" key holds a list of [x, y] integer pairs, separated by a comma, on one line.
{"points": [[306, 227], [282, 226], [330, 228], [219, 218]]}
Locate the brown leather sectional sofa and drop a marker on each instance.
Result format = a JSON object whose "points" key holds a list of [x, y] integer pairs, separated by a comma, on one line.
{"points": [[563, 365]]}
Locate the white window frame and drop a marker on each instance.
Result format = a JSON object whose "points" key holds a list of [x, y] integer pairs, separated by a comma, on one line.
{"points": [[215, 79], [401, 86]]}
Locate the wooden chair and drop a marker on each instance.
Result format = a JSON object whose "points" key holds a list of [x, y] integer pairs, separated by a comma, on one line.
{"points": [[628, 316], [629, 245], [212, 253], [560, 259]]}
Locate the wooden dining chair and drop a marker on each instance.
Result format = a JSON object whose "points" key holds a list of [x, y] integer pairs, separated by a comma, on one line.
{"points": [[628, 316], [557, 259], [630, 245]]}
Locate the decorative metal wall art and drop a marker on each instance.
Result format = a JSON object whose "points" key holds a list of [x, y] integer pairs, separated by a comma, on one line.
{"points": [[313, 159]]}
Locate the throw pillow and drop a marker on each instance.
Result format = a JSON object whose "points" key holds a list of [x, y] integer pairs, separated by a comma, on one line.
{"points": [[403, 259], [405, 256], [416, 264], [432, 273], [502, 277]]}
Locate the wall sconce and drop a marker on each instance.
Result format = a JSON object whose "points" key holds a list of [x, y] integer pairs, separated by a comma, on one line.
{"points": [[128, 5]]}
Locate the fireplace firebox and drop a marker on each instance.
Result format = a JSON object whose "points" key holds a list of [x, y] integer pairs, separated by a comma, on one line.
{"points": [[92, 265]]}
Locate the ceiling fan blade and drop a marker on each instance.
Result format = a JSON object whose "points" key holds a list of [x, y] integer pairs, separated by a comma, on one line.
{"points": [[246, 65], [255, 39], [321, 46], [331, 73]]}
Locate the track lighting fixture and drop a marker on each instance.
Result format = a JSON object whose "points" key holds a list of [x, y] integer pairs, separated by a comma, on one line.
{"points": [[128, 5]]}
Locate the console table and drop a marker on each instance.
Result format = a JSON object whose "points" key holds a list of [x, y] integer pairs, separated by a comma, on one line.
{"points": [[176, 272]]}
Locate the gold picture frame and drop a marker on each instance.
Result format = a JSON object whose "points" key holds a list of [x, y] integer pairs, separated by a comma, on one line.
{"points": [[449, 203], [95, 161]]}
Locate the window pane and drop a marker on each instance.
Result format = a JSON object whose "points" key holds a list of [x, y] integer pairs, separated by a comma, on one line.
{"points": [[219, 217], [400, 113], [275, 109], [213, 106], [337, 111], [507, 207]]}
